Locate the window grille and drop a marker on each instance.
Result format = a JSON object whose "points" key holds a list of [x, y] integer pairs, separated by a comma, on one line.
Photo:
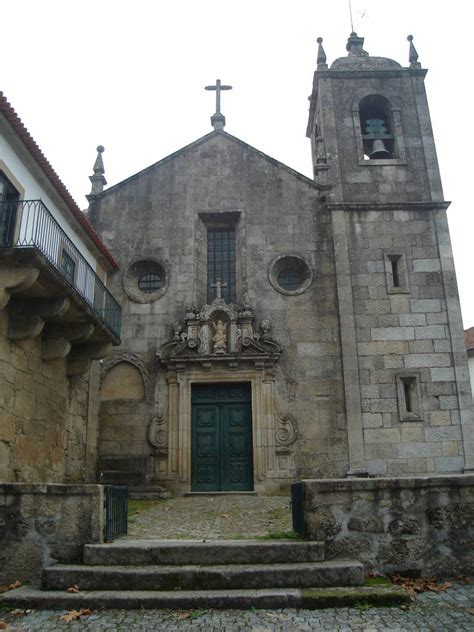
{"points": [[221, 264]]}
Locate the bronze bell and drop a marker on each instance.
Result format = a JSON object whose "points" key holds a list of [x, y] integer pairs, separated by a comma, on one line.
{"points": [[379, 150]]}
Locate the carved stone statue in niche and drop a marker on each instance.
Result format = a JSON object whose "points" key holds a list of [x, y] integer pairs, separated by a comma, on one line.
{"points": [[220, 337], [220, 331]]}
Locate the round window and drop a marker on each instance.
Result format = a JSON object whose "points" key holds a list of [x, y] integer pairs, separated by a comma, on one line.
{"points": [[150, 283], [290, 274], [145, 281]]}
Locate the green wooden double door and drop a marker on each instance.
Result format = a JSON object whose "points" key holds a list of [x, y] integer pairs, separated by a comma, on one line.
{"points": [[221, 456]]}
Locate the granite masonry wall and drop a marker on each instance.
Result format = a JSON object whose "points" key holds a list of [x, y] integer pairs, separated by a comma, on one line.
{"points": [[403, 333], [41, 524], [277, 212], [48, 422], [410, 525]]}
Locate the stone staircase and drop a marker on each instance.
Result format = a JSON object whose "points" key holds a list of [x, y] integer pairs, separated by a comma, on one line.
{"points": [[174, 574]]}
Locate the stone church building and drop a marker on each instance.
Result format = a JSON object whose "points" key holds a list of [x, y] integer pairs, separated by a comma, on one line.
{"points": [[278, 327]]}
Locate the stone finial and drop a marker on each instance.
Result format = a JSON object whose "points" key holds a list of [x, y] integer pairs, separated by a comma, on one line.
{"points": [[355, 45], [98, 180], [413, 55], [321, 59]]}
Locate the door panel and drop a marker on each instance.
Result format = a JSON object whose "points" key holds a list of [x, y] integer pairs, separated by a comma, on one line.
{"points": [[205, 437], [221, 438]]}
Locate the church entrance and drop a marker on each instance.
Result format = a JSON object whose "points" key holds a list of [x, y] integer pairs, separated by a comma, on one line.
{"points": [[221, 454]]}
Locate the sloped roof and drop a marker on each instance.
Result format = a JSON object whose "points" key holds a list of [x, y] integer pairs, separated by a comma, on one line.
{"points": [[28, 141], [205, 139], [469, 338]]}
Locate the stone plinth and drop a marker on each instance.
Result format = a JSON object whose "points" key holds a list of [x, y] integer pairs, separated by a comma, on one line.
{"points": [[41, 523], [413, 524]]}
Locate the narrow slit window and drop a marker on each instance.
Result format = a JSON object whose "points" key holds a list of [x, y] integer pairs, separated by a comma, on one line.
{"points": [[408, 392], [409, 397], [395, 271]]}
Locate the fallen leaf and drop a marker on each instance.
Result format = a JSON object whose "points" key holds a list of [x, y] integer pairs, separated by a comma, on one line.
{"points": [[183, 615], [419, 584], [73, 589], [167, 508], [16, 584], [72, 615], [470, 610], [4, 626], [224, 515]]}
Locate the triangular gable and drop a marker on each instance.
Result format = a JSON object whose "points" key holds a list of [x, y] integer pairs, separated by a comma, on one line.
{"points": [[203, 140]]}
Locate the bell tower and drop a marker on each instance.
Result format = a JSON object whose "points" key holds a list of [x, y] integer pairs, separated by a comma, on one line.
{"points": [[402, 344], [370, 128]]}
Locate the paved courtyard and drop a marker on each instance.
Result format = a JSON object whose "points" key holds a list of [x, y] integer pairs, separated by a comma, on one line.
{"points": [[451, 610], [216, 517]]}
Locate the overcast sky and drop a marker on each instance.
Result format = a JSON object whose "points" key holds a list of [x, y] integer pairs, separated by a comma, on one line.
{"points": [[130, 76]]}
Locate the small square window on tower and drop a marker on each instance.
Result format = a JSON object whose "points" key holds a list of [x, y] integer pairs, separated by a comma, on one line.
{"points": [[409, 396], [396, 273]]}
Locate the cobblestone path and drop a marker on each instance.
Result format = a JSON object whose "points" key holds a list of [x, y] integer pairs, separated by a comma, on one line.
{"points": [[447, 611], [211, 517]]}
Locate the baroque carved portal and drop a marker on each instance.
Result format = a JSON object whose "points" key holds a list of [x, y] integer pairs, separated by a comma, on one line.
{"points": [[220, 332], [220, 344]]}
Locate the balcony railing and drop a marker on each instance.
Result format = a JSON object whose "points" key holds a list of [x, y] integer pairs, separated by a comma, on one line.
{"points": [[30, 224]]}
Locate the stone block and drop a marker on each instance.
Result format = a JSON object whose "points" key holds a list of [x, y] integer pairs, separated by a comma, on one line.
{"points": [[418, 360], [388, 405], [451, 448], [371, 420], [426, 265], [442, 375], [415, 450], [414, 320], [392, 333], [382, 435], [449, 464], [425, 305], [430, 332], [396, 347], [443, 433]]}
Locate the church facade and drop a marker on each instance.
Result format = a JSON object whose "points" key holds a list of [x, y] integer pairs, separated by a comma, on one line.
{"points": [[277, 327]]}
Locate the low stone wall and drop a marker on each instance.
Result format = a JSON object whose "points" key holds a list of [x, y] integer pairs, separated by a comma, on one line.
{"points": [[395, 525], [41, 523]]}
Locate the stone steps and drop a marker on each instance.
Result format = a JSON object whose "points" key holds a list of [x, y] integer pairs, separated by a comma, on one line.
{"points": [[214, 552], [27, 597], [195, 574], [195, 577]]}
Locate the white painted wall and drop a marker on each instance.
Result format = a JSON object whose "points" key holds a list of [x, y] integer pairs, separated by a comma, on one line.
{"points": [[34, 191]]}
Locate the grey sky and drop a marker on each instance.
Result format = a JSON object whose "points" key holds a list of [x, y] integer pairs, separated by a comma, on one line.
{"points": [[131, 76]]}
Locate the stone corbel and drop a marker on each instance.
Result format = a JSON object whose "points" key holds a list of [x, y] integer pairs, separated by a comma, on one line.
{"points": [[81, 356], [58, 337], [14, 279], [27, 316], [73, 331]]}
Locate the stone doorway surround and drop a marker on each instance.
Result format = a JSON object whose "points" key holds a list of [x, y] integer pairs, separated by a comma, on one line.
{"points": [[247, 357]]}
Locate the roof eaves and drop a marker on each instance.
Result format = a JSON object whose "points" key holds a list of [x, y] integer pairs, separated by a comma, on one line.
{"points": [[28, 141]]}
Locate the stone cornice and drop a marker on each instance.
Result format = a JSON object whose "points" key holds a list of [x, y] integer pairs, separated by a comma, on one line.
{"points": [[389, 206]]}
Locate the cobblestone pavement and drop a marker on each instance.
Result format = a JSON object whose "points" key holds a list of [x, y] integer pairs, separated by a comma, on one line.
{"points": [[219, 517], [448, 611]]}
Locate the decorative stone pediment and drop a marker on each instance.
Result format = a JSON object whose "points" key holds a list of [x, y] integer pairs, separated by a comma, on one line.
{"points": [[219, 333]]}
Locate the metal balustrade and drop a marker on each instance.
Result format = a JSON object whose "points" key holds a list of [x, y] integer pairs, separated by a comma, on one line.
{"points": [[29, 224]]}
